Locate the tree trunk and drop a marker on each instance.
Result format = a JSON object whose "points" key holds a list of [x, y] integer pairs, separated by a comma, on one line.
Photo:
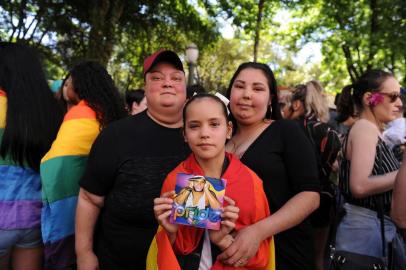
{"points": [[104, 18], [351, 68], [373, 46], [258, 28]]}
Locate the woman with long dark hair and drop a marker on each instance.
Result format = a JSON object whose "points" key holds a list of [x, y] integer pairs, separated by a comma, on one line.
{"points": [[281, 155], [94, 103], [29, 121]]}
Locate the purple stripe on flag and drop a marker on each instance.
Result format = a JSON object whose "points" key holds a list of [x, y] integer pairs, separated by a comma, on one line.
{"points": [[60, 254], [20, 214]]}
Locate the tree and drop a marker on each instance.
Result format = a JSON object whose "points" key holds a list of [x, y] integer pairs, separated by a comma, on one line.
{"points": [[365, 34], [94, 29], [251, 17]]}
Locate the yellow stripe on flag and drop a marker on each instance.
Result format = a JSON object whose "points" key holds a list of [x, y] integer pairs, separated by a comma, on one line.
{"points": [[3, 111], [75, 137], [152, 257], [160, 254], [272, 263]]}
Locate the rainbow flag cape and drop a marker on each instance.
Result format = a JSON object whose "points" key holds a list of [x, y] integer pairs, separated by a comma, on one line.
{"points": [[245, 188], [61, 169], [20, 188]]}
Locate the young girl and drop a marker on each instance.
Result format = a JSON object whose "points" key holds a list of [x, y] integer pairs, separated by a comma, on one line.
{"points": [[94, 103], [206, 130]]}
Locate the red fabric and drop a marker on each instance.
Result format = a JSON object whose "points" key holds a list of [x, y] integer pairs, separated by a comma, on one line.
{"points": [[165, 260], [245, 188]]}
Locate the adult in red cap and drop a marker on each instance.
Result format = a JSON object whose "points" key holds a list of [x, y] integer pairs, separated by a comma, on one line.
{"points": [[125, 170]]}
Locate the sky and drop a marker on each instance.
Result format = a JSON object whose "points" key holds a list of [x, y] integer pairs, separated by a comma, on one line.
{"points": [[309, 54]]}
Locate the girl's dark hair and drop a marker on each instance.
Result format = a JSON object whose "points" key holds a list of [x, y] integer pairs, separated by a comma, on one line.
{"points": [[273, 111], [33, 114], [201, 96], [93, 84], [345, 106], [134, 96], [370, 81]]}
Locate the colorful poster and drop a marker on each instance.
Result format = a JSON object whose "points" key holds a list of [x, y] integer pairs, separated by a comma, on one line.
{"points": [[198, 201]]}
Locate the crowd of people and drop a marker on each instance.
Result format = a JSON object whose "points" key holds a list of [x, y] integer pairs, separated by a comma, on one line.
{"points": [[87, 178]]}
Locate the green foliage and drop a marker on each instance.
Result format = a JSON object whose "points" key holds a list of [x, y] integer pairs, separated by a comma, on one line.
{"points": [[356, 35]]}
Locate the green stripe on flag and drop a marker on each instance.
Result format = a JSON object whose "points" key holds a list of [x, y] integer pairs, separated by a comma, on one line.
{"points": [[60, 177], [7, 159]]}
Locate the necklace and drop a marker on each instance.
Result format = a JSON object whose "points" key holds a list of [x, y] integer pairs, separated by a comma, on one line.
{"points": [[239, 148]]}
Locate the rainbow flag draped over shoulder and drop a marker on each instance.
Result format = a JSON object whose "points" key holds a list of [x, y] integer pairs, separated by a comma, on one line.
{"points": [[61, 169], [20, 188], [245, 188]]}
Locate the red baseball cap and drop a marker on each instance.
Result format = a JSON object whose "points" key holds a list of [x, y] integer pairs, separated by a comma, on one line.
{"points": [[160, 56]]}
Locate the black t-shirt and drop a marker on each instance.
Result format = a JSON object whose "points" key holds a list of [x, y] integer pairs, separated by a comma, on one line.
{"points": [[128, 164], [284, 159]]}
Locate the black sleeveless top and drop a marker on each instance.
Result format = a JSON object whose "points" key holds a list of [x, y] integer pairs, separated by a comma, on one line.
{"points": [[385, 162]]}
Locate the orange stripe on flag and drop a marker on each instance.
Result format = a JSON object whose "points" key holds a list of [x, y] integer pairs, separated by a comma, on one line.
{"points": [[166, 256], [80, 111]]}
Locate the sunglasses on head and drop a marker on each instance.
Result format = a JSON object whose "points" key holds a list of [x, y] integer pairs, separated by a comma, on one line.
{"points": [[392, 96]]}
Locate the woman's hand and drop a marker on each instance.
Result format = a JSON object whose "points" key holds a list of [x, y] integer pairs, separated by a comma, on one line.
{"points": [[222, 237], [244, 247], [162, 211], [87, 261]]}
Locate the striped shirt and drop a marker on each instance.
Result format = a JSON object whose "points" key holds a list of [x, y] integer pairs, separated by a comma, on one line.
{"points": [[385, 162]]}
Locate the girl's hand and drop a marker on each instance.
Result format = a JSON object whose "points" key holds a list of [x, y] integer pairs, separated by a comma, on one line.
{"points": [[162, 211], [222, 237]]}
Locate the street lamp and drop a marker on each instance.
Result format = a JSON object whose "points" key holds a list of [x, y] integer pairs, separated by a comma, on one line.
{"points": [[192, 53]]}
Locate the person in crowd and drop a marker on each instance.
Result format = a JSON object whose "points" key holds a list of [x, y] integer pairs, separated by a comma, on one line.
{"points": [[281, 155], [96, 103], [29, 121], [197, 194], [310, 108], [368, 169], [284, 100], [398, 211], [206, 130], [125, 171], [136, 101], [346, 114], [194, 89], [332, 122], [394, 134]]}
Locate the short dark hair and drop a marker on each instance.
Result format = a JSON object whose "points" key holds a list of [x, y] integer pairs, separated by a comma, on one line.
{"points": [[136, 96], [194, 88]]}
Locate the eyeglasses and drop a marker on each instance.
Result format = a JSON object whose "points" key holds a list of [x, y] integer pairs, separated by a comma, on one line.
{"points": [[392, 96]]}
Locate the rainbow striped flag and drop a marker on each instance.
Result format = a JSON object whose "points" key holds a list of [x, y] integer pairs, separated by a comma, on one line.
{"points": [[61, 169], [20, 188], [245, 188]]}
